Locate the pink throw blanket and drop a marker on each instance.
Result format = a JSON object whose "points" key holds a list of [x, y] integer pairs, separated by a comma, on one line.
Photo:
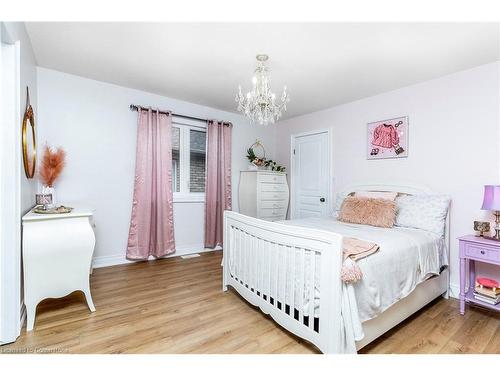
{"points": [[353, 250]]}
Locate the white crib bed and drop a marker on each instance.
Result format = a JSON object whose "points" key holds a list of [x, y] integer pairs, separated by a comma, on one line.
{"points": [[279, 267]]}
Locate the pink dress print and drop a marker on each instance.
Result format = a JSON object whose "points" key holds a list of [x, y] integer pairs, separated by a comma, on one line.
{"points": [[385, 136]]}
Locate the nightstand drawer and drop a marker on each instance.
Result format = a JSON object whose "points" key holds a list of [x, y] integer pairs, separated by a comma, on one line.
{"points": [[482, 252]]}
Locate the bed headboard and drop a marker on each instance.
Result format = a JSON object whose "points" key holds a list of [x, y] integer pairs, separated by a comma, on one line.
{"points": [[405, 188], [410, 189]]}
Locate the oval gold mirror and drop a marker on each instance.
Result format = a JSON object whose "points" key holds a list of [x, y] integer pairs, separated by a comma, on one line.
{"points": [[29, 139]]}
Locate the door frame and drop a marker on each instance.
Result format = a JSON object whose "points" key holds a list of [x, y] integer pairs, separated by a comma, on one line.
{"points": [[329, 195], [10, 183]]}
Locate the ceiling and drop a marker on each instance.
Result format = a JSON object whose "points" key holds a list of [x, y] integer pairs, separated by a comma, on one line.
{"points": [[322, 64]]}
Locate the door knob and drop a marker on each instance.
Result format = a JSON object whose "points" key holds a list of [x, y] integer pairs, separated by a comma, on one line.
{"points": [[322, 199]]}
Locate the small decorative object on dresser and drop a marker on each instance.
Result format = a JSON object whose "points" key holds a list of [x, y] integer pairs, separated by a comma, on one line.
{"points": [[44, 200], [478, 249], [263, 194], [54, 210], [491, 202], [256, 155], [482, 227], [53, 162], [259, 161], [57, 256]]}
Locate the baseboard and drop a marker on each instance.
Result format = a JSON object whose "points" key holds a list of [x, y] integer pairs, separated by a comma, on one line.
{"points": [[114, 260], [23, 316], [454, 291]]}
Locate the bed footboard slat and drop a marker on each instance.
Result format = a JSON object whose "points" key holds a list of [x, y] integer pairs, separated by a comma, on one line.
{"points": [[312, 258], [301, 278], [292, 280]]}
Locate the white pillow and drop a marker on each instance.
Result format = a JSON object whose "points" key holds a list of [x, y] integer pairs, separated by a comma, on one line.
{"points": [[425, 211], [339, 199]]}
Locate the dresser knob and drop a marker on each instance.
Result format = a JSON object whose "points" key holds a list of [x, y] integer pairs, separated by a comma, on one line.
{"points": [[482, 252]]}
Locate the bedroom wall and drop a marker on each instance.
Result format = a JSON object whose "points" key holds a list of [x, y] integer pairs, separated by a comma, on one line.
{"points": [[15, 31], [91, 120], [453, 145]]}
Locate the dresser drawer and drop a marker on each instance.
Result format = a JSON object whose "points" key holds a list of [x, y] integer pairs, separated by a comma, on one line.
{"points": [[270, 196], [271, 212], [273, 204], [272, 178], [272, 187], [482, 252], [273, 218]]}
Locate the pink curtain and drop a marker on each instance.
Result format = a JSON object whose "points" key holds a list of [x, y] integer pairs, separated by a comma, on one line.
{"points": [[218, 180], [152, 225]]}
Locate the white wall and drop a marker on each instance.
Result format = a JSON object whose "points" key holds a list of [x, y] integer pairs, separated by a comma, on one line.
{"points": [[91, 120], [453, 145], [15, 31]]}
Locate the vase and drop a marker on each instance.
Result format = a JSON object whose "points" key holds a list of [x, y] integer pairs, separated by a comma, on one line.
{"points": [[50, 190]]}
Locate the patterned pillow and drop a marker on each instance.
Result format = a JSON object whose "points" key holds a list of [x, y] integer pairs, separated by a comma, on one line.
{"points": [[425, 211]]}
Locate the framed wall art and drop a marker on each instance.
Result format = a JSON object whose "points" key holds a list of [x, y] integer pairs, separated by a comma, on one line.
{"points": [[387, 139]]}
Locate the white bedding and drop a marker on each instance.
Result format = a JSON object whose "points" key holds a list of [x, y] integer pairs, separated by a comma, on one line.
{"points": [[406, 258]]}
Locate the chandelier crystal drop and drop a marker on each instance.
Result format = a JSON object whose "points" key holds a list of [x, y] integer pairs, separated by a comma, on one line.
{"points": [[260, 104]]}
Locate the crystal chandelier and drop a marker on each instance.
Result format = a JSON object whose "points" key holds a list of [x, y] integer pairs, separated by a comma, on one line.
{"points": [[260, 104]]}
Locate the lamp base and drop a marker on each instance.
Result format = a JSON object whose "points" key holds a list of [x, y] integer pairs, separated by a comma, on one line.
{"points": [[497, 225], [496, 236]]}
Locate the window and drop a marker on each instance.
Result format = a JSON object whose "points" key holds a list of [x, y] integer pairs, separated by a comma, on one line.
{"points": [[197, 151], [189, 144], [176, 146]]}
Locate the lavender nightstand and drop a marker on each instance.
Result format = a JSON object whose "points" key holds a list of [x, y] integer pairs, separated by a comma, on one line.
{"points": [[472, 249]]}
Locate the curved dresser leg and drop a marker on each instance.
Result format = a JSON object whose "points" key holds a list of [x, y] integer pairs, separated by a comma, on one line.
{"points": [[30, 317], [88, 297]]}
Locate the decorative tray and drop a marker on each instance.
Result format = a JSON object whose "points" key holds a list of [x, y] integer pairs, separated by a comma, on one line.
{"points": [[54, 210]]}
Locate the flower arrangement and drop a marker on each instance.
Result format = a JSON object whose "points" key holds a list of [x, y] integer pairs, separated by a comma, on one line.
{"points": [[252, 158], [52, 164], [274, 166], [262, 161]]}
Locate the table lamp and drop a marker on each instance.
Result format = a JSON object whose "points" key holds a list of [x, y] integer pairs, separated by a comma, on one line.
{"points": [[491, 202]]}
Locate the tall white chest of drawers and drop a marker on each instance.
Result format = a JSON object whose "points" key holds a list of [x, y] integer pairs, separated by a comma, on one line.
{"points": [[264, 194]]}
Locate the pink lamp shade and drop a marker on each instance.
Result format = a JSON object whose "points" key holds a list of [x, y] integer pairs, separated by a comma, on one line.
{"points": [[491, 200]]}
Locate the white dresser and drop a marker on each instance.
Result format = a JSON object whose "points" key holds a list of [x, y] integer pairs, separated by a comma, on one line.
{"points": [[263, 194], [57, 255]]}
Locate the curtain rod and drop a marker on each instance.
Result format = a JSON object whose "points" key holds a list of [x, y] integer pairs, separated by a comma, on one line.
{"points": [[134, 107]]}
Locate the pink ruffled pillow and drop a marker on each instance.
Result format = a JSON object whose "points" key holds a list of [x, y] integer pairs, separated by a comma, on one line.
{"points": [[369, 211]]}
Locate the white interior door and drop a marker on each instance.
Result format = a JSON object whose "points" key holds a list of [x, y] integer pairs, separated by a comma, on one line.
{"points": [[310, 175]]}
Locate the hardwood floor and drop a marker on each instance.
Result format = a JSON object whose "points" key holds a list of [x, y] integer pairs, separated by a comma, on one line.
{"points": [[177, 306]]}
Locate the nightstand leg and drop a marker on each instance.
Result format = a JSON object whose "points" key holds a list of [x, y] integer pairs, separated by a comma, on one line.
{"points": [[472, 274], [462, 286]]}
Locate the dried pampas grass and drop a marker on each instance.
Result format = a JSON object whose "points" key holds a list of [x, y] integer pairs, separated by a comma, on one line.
{"points": [[52, 165]]}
